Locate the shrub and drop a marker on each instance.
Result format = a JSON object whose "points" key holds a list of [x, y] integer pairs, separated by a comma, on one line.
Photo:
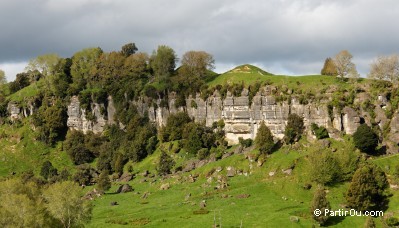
{"points": [[294, 128], [165, 164], [203, 153], [245, 142], [103, 182], [367, 189], [48, 171], [320, 202], [264, 139], [365, 139], [320, 132], [325, 167]]}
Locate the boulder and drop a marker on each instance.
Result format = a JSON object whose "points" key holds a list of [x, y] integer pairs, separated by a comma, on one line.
{"points": [[165, 186], [126, 177], [124, 188], [287, 171], [231, 171]]}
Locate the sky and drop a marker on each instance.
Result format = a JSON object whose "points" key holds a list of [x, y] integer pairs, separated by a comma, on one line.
{"points": [[280, 36]]}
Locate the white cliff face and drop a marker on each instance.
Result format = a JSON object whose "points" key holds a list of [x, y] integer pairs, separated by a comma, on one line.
{"points": [[241, 118], [77, 117]]}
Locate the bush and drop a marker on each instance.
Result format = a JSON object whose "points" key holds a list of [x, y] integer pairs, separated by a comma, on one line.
{"points": [[325, 167], [174, 127], [320, 202], [203, 153], [264, 139], [103, 182], [392, 221], [320, 132], [294, 128], [367, 189], [365, 139], [165, 164], [245, 142], [48, 171]]}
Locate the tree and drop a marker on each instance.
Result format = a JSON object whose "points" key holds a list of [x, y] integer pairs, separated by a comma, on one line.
{"points": [[21, 81], [165, 164], [174, 126], [321, 203], [365, 139], [294, 128], [45, 64], [129, 49], [198, 62], [65, 203], [264, 139], [103, 182], [319, 132], [385, 68], [329, 68], [344, 65], [3, 79], [83, 63], [367, 189], [163, 63], [325, 167], [48, 171]]}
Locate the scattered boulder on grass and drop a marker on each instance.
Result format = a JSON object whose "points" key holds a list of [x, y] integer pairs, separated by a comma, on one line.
{"points": [[145, 173], [287, 171], [219, 169], [231, 171], [165, 186], [126, 177], [189, 166], [243, 196], [187, 197], [91, 195], [203, 204], [294, 219], [272, 173], [124, 188], [114, 203], [226, 155], [145, 195]]}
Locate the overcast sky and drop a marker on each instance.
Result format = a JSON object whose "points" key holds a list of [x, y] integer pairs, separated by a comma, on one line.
{"points": [[281, 36]]}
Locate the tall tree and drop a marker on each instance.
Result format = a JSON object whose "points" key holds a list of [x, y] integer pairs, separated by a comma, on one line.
{"points": [[264, 139], [83, 63], [365, 139], [104, 183], [329, 68], [165, 164], [385, 68], [321, 203], [45, 64], [367, 190], [344, 65], [65, 203], [294, 128], [3, 79], [198, 62], [163, 63], [129, 49]]}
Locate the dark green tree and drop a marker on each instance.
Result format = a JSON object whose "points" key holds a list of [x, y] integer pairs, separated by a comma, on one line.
{"points": [[321, 203], [367, 190], [365, 139], [48, 171], [319, 132], [103, 182], [294, 129], [325, 168], [264, 139], [129, 49], [329, 68], [163, 63], [165, 164], [174, 126]]}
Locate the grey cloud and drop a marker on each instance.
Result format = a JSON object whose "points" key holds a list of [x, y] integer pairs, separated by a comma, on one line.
{"points": [[286, 36]]}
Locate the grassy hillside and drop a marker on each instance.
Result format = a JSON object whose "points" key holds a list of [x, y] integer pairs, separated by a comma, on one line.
{"points": [[249, 74], [272, 201]]}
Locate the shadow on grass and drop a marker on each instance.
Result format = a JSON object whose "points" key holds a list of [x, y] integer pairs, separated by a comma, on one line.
{"points": [[334, 220]]}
